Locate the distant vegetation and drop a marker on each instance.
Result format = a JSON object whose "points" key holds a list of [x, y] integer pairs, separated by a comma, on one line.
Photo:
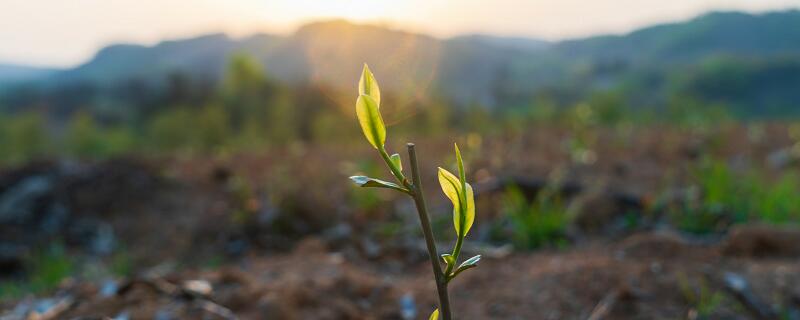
{"points": [[748, 63], [217, 94], [722, 196]]}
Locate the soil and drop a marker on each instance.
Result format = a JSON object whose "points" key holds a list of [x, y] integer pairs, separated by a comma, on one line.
{"points": [[652, 276]]}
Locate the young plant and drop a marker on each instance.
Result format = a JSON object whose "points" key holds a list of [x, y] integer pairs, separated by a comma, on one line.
{"points": [[455, 188], [541, 222]]}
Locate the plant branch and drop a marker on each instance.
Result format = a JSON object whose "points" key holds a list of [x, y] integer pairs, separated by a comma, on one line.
{"points": [[455, 254], [395, 170], [419, 200]]}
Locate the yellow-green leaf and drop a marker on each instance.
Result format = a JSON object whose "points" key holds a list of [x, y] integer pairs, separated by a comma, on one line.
{"points": [[371, 121], [463, 211], [396, 160], [367, 85], [461, 175], [434, 315], [469, 213], [448, 259], [450, 186]]}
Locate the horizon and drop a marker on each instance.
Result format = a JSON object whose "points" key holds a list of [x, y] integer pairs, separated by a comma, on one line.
{"points": [[77, 39]]}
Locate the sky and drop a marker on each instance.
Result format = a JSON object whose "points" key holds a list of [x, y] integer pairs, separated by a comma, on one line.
{"points": [[64, 33]]}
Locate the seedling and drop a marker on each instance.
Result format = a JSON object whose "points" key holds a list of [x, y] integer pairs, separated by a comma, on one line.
{"points": [[455, 188]]}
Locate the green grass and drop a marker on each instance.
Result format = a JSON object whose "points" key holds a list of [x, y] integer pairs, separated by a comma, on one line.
{"points": [[701, 297], [722, 196], [538, 223], [45, 270]]}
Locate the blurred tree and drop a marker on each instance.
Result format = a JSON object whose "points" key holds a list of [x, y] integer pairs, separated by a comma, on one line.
{"points": [[23, 137], [283, 119], [83, 138], [259, 109], [211, 130], [245, 90], [169, 130], [119, 140], [178, 89], [609, 107], [326, 127], [307, 101], [694, 113]]}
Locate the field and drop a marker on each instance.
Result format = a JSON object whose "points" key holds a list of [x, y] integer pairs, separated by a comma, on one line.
{"points": [[625, 221]]}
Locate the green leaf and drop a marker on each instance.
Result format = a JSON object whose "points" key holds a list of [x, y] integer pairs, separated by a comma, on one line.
{"points": [[471, 262], [468, 264], [461, 175], [463, 181], [469, 210], [463, 202], [367, 182], [371, 121], [367, 85], [396, 160], [434, 315], [448, 259]]}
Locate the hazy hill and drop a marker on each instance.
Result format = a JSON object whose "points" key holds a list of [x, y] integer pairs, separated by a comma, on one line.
{"points": [[202, 56], [481, 69], [714, 33], [10, 73]]}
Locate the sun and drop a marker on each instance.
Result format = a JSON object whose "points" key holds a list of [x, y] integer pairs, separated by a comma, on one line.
{"points": [[361, 10], [343, 9]]}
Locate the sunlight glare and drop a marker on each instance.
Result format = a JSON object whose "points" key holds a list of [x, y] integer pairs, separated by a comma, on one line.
{"points": [[344, 9]]}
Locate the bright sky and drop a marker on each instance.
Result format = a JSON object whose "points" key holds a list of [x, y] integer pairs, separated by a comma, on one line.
{"points": [[68, 32]]}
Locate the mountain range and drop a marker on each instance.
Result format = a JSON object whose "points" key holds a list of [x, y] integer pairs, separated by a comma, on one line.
{"points": [[10, 73], [699, 55]]}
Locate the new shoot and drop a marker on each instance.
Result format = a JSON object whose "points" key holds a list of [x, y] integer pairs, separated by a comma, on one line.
{"points": [[454, 187]]}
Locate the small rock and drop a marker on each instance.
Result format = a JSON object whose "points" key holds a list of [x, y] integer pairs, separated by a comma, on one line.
{"points": [[109, 288], [408, 308], [339, 234], [198, 287], [782, 158], [19, 204], [371, 248], [50, 308], [124, 315], [165, 314], [104, 240]]}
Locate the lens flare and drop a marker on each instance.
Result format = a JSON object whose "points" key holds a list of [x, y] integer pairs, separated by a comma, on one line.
{"points": [[408, 63]]}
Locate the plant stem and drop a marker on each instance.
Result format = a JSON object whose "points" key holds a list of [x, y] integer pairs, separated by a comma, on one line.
{"points": [[419, 200], [394, 169], [455, 254]]}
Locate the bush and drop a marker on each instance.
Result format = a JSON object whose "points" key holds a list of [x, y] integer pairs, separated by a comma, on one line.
{"points": [[23, 137], [541, 222], [721, 196], [182, 129], [84, 138]]}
